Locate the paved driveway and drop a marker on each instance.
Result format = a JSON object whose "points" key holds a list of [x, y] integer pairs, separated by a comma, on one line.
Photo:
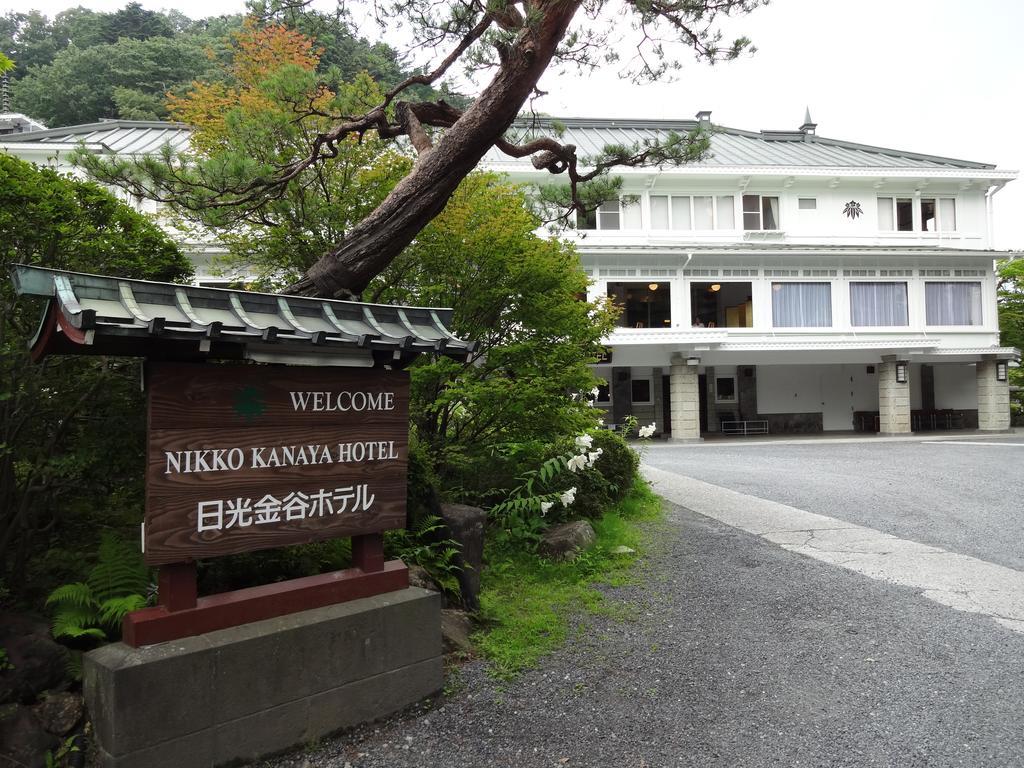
{"points": [[966, 496]]}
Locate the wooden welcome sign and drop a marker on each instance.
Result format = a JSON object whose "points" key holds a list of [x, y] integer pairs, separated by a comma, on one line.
{"points": [[242, 458]]}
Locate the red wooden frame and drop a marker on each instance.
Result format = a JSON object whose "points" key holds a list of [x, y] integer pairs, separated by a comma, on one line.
{"points": [[182, 614]]}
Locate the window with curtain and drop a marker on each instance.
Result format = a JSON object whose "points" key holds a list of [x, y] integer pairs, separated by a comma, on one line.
{"points": [[878, 304], [896, 214], [726, 213], [952, 303], [632, 217], [703, 212], [760, 212], [802, 305]]}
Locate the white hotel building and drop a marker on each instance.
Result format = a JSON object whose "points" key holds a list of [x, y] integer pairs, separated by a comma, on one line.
{"points": [[787, 283], [793, 283]]}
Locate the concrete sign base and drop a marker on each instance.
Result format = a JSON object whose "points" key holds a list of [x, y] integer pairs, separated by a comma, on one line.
{"points": [[260, 688]]}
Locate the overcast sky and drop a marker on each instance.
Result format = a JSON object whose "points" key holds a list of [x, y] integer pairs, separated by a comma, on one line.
{"points": [[938, 76]]}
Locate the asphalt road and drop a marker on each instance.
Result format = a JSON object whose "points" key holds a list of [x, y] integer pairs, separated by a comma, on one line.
{"points": [[745, 654], [960, 496]]}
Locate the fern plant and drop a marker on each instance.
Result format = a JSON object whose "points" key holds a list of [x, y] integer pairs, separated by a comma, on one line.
{"points": [[423, 546], [93, 609]]}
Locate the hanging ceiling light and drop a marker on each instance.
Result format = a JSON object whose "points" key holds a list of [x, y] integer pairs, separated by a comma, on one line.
{"points": [[653, 286], [716, 287]]}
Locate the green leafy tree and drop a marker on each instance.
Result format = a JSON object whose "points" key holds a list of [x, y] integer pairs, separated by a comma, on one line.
{"points": [[1011, 301], [135, 22], [1011, 324], [81, 27], [82, 85], [71, 428], [28, 39], [519, 295]]}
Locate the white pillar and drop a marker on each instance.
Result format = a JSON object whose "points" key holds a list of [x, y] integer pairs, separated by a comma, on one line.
{"points": [[993, 398], [685, 403], [893, 399]]}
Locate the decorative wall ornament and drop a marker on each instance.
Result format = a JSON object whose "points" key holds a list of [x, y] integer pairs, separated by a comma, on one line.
{"points": [[853, 209]]}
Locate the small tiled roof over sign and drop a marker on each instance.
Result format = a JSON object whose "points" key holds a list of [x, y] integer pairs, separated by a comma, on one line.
{"points": [[731, 146], [96, 315]]}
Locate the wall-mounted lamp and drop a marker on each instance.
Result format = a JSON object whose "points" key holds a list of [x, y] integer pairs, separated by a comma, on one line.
{"points": [[653, 286], [901, 373], [716, 287], [693, 361], [1001, 370]]}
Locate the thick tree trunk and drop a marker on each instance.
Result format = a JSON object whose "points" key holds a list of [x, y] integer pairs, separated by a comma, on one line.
{"points": [[374, 243]]}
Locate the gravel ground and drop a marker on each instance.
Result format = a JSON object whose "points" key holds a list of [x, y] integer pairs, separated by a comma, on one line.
{"points": [[740, 654]]}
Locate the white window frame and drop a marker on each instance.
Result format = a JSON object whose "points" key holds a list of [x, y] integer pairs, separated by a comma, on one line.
{"points": [[959, 327], [715, 197], [599, 216], [916, 225], [870, 280], [760, 212], [832, 298], [735, 390], [650, 390]]}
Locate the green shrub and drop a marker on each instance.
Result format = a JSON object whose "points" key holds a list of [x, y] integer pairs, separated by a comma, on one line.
{"points": [[618, 462], [599, 486]]}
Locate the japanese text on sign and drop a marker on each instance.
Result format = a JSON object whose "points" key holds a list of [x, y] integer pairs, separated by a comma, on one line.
{"points": [[224, 514]]}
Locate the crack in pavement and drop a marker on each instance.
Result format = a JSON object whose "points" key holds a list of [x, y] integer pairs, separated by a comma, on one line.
{"points": [[951, 579]]}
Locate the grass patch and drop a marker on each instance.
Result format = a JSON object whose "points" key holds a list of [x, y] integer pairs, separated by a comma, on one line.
{"points": [[525, 600]]}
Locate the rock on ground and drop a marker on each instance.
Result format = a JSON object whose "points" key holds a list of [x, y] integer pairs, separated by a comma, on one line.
{"points": [[568, 540], [466, 525], [456, 627], [35, 662]]}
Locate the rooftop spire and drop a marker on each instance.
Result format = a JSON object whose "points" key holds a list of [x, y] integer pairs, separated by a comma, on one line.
{"points": [[808, 128]]}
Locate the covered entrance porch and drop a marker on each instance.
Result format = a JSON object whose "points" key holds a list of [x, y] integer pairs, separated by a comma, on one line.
{"points": [[703, 393]]}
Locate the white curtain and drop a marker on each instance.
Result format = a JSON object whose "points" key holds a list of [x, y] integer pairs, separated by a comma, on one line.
{"points": [[770, 213], [726, 212], [952, 303], [801, 305], [703, 208], [631, 215], [947, 214], [659, 212], [680, 212], [878, 304], [885, 220]]}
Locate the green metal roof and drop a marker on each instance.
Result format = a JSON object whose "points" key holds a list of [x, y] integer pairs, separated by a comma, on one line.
{"points": [[93, 314], [734, 147]]}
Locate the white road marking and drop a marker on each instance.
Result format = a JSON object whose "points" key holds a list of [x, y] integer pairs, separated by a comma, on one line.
{"points": [[958, 581], [965, 442]]}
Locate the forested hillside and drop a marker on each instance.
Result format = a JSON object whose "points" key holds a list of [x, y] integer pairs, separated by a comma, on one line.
{"points": [[82, 66]]}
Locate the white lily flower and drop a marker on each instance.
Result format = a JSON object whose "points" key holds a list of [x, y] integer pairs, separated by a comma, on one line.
{"points": [[647, 431], [545, 506], [576, 463], [584, 441], [594, 456], [595, 392], [568, 497]]}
